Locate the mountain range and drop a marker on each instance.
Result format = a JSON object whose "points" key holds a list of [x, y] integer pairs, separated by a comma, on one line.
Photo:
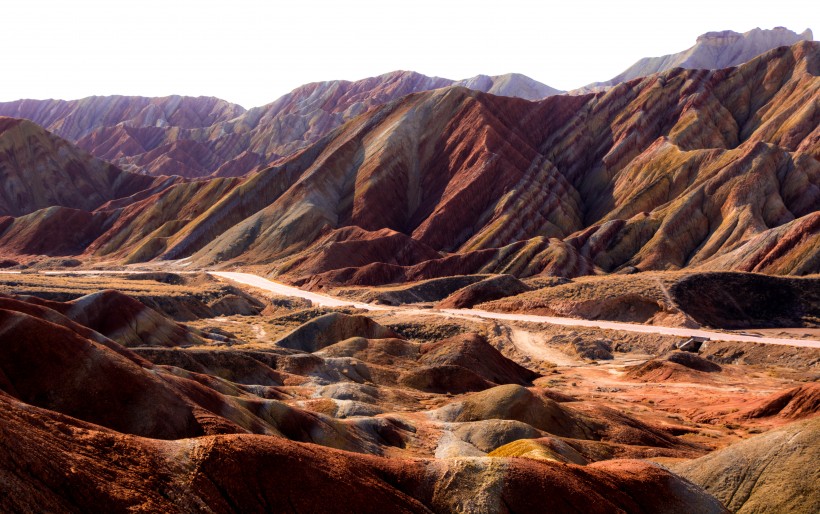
{"points": [[684, 168], [197, 137]]}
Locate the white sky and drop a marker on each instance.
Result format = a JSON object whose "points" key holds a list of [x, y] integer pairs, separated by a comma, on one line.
{"points": [[252, 52]]}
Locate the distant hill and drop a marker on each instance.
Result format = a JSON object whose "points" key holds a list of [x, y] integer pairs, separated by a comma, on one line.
{"points": [[197, 137], [712, 51]]}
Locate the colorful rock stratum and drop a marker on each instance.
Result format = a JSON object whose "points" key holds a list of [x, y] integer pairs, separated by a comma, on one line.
{"points": [[442, 222]]}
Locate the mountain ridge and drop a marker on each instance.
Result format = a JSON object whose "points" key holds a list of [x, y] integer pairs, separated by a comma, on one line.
{"points": [[712, 50], [670, 171], [202, 136]]}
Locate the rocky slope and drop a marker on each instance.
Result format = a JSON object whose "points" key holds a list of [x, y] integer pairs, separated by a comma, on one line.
{"points": [[712, 51], [76, 119], [195, 137], [773, 472], [683, 169], [39, 170]]}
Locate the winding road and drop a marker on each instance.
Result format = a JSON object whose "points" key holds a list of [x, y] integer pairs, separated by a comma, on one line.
{"points": [[329, 301]]}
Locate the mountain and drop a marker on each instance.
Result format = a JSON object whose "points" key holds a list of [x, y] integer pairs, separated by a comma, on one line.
{"points": [[712, 51], [203, 136], [669, 172], [75, 119], [39, 170], [682, 169], [196, 137], [511, 84]]}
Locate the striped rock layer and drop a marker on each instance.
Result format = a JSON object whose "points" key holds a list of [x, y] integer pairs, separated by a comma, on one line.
{"points": [[682, 169]]}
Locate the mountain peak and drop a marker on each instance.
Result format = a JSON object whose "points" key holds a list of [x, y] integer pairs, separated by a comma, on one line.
{"points": [[712, 50]]}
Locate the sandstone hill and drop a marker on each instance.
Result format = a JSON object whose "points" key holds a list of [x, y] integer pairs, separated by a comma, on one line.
{"points": [[40, 170]]}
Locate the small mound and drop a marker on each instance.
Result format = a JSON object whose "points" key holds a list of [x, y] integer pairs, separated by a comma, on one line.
{"points": [[489, 434], [387, 352], [677, 366], [597, 349], [800, 402], [472, 351], [518, 403], [332, 328], [8, 263], [350, 391], [444, 379], [341, 409], [661, 371], [431, 290], [692, 361], [232, 304], [546, 449], [487, 290]]}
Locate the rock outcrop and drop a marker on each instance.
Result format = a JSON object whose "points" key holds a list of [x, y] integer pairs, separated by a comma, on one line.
{"points": [[489, 289], [332, 328]]}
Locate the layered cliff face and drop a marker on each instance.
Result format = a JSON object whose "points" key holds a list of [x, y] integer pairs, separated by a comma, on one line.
{"points": [[713, 50], [197, 137], [683, 169], [39, 170]]}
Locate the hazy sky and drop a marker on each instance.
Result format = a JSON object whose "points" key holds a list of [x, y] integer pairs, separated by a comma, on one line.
{"points": [[252, 52]]}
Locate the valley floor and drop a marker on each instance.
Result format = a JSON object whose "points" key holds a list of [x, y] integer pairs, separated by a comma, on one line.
{"points": [[474, 394]]}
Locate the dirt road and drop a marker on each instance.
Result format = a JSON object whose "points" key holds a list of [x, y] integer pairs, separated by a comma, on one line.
{"points": [[329, 301]]}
